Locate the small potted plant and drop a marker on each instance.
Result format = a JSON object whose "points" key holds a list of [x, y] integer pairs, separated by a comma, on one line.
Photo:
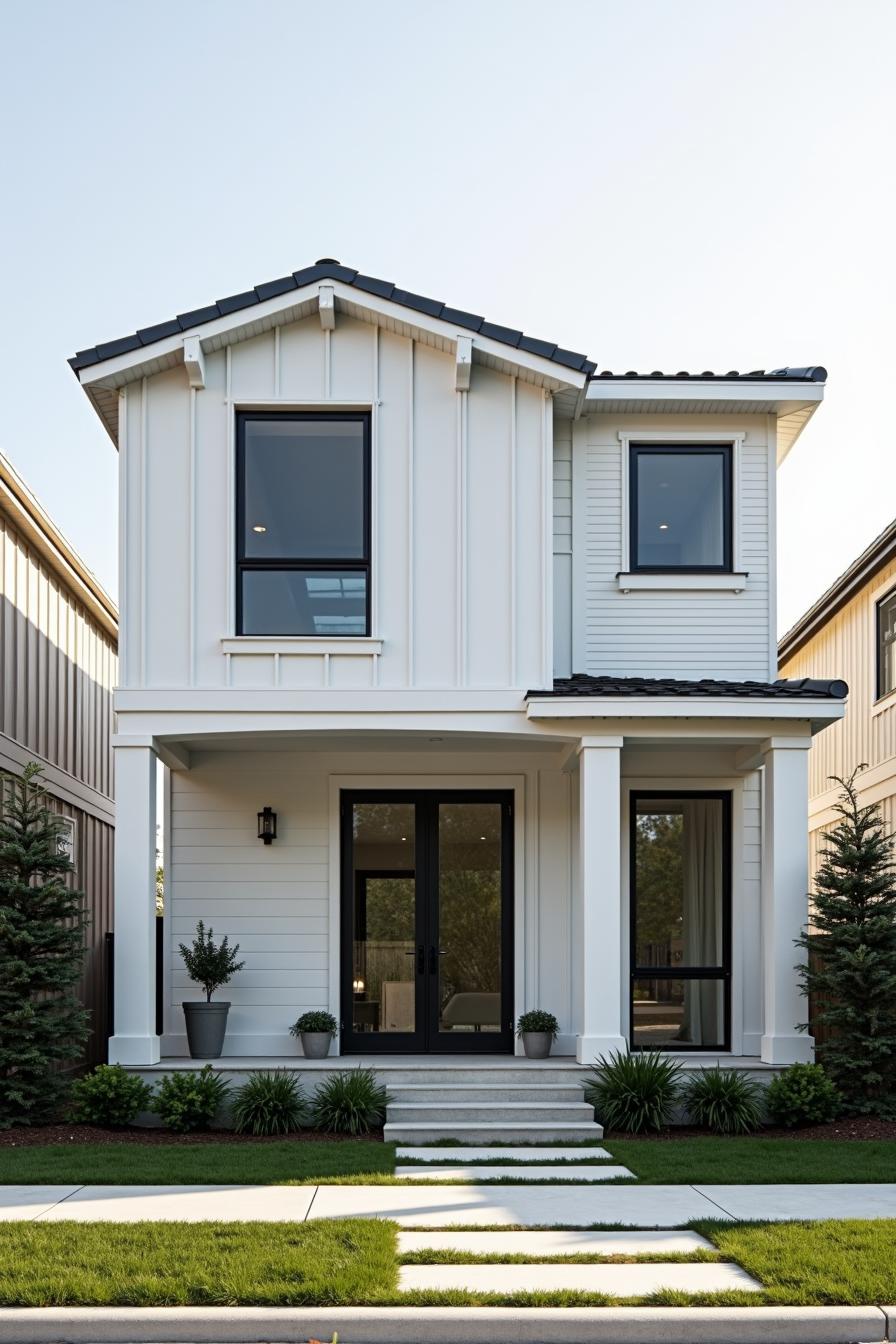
{"points": [[316, 1030], [210, 965], [539, 1031]]}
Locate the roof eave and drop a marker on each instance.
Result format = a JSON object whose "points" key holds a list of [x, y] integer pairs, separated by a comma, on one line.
{"points": [[819, 712]]}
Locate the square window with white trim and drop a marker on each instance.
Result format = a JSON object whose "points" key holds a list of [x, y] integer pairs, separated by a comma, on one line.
{"points": [[681, 508], [66, 835], [886, 645]]}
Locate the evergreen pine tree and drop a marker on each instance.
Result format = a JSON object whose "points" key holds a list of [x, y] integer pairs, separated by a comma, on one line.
{"points": [[851, 941], [42, 921]]}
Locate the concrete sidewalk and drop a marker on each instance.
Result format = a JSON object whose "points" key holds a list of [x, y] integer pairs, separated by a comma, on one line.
{"points": [[432, 1206]]}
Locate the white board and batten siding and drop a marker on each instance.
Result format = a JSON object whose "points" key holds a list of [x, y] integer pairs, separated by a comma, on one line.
{"points": [[661, 633], [461, 568]]}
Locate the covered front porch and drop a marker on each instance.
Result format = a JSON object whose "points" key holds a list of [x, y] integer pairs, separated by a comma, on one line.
{"points": [[644, 885]]}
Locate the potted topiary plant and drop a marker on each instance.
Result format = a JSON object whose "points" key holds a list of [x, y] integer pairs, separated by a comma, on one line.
{"points": [[316, 1030], [210, 965], [539, 1031]]}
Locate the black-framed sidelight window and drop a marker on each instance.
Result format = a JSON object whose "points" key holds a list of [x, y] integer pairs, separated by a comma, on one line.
{"points": [[886, 645], [680, 921], [681, 508], [303, 524]]}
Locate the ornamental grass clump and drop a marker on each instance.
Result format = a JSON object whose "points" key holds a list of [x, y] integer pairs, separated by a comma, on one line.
{"points": [[349, 1103], [110, 1096], [190, 1099], [636, 1092], [724, 1100], [803, 1095], [269, 1103]]}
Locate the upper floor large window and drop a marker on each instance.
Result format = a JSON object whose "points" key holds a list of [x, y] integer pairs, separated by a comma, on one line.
{"points": [[681, 507], [886, 645], [303, 524]]}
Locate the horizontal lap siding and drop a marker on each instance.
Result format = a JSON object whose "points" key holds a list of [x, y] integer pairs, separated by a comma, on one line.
{"points": [[684, 634]]}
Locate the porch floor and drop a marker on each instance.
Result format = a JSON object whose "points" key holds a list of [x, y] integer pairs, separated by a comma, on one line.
{"points": [[244, 1063]]}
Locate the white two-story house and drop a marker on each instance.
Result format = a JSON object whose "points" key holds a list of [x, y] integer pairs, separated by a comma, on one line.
{"points": [[491, 634]]}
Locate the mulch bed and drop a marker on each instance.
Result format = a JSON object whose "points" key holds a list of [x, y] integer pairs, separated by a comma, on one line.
{"points": [[41, 1136], [857, 1127]]}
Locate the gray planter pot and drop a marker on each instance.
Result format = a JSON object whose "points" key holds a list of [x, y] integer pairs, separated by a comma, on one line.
{"points": [[316, 1044], [537, 1044], [206, 1027]]}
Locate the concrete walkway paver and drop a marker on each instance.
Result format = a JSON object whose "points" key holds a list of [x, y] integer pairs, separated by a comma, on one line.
{"points": [[783, 1203], [567, 1172], [524, 1205], [20, 1203], [546, 1243], [510, 1153], [615, 1280], [183, 1203]]}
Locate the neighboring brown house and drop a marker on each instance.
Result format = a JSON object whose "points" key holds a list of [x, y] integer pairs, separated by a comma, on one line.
{"points": [[58, 665], [850, 632]]}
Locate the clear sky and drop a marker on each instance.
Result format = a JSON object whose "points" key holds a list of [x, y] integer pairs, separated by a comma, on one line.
{"points": [[675, 184]]}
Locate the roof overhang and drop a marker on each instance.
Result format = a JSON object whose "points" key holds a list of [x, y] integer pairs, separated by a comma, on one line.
{"points": [[792, 401], [104, 380], [819, 713], [33, 523]]}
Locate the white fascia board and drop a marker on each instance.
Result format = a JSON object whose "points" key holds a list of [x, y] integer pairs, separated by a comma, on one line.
{"points": [[127, 367], [683, 707], [782, 397]]}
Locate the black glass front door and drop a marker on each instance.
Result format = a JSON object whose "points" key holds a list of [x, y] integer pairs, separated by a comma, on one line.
{"points": [[427, 902]]}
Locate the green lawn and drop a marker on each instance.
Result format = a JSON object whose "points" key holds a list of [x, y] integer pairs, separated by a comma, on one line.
{"points": [[196, 1264], [730, 1161], [333, 1263], [196, 1164]]}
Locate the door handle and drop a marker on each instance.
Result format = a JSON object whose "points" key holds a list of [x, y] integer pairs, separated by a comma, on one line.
{"points": [[434, 954], [420, 955]]}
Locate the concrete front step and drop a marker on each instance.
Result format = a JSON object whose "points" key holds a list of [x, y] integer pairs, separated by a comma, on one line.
{"points": [[503, 1133], [492, 1092], [524, 1153], [488, 1112]]}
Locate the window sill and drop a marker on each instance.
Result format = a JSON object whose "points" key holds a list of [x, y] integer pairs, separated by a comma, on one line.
{"points": [[684, 582], [883, 704], [294, 645]]}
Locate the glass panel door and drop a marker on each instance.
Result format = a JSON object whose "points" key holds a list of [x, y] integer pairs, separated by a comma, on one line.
{"points": [[427, 922], [468, 925]]}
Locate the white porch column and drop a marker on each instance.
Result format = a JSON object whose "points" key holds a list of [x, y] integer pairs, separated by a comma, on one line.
{"points": [[135, 1040], [785, 900], [600, 879]]}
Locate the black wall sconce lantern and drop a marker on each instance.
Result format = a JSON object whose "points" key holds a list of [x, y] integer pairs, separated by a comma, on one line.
{"points": [[267, 825]]}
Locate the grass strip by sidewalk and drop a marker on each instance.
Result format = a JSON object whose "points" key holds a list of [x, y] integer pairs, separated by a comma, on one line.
{"points": [[355, 1262], [732, 1161], [197, 1264], [200, 1164]]}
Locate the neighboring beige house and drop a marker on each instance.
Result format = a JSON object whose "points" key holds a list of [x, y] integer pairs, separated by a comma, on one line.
{"points": [[852, 629], [58, 664]]}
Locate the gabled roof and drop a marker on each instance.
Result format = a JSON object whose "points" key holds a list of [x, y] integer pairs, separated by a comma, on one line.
{"points": [[873, 559], [328, 269], [581, 684]]}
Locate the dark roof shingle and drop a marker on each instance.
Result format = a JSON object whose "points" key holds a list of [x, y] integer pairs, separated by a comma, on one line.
{"points": [[327, 269], [588, 687]]}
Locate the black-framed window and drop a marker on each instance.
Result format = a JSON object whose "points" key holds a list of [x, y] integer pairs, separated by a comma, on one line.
{"points": [[886, 645], [303, 524], [681, 507], [680, 892]]}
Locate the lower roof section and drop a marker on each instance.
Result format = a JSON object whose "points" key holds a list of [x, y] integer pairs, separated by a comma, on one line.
{"points": [[581, 684]]}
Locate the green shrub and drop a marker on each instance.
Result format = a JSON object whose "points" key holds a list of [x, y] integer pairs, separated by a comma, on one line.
{"points": [[317, 1020], [634, 1092], [538, 1020], [208, 963], [349, 1103], [269, 1103], [189, 1100], [803, 1095], [110, 1096], [724, 1100]]}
